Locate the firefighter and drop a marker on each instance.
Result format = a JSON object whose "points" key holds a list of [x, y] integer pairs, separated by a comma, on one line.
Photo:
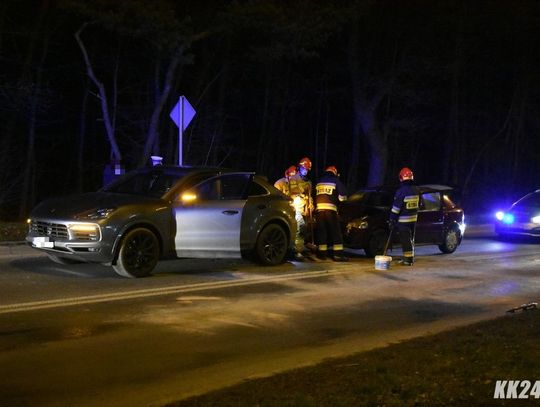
{"points": [[283, 184], [296, 185], [404, 214], [329, 191]]}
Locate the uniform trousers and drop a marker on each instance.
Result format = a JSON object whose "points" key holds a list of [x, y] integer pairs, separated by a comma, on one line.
{"points": [[406, 236], [328, 231]]}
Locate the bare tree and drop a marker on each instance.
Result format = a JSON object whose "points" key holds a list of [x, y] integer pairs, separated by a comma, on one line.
{"points": [[102, 95]]}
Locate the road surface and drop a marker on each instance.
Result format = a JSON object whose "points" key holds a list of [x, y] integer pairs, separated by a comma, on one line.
{"points": [[80, 335]]}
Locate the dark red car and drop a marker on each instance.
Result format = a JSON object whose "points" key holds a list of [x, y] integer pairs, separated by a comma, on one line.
{"points": [[364, 219]]}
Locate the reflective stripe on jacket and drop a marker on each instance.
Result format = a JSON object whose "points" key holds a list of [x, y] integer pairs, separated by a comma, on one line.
{"points": [[329, 191], [406, 202]]}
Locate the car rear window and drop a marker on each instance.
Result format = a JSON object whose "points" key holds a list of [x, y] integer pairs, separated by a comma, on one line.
{"points": [[431, 201]]}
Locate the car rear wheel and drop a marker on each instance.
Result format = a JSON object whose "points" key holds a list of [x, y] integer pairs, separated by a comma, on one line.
{"points": [[61, 260], [138, 254], [451, 241], [376, 243], [272, 244]]}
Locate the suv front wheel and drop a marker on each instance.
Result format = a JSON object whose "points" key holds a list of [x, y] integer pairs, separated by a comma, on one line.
{"points": [[138, 253]]}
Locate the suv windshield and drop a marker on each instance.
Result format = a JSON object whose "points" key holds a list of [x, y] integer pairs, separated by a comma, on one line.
{"points": [[154, 183], [529, 201]]}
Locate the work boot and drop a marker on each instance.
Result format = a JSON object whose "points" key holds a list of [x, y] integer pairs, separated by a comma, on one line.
{"points": [[406, 262], [340, 257], [299, 257]]}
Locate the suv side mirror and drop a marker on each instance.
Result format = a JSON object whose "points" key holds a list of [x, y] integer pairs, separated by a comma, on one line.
{"points": [[188, 198]]}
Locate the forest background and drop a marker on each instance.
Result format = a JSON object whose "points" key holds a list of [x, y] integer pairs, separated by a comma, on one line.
{"points": [[448, 88]]}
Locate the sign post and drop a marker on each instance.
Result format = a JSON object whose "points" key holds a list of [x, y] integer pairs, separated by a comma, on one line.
{"points": [[182, 114]]}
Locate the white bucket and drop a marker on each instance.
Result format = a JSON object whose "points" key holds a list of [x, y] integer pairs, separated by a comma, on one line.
{"points": [[382, 262]]}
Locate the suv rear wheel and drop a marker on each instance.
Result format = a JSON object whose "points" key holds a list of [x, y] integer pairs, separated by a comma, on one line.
{"points": [[272, 244]]}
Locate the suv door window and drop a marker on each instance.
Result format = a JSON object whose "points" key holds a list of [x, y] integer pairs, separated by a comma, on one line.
{"points": [[226, 187], [234, 186]]}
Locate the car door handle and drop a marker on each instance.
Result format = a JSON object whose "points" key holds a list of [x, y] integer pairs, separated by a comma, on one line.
{"points": [[229, 212]]}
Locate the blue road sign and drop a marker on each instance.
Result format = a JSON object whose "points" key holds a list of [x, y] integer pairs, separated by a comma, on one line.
{"points": [[182, 112]]}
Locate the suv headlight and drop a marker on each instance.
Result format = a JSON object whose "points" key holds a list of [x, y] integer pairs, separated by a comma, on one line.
{"points": [[536, 219], [84, 231]]}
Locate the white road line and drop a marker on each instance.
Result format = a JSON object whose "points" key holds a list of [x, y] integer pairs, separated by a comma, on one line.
{"points": [[248, 280], [153, 292]]}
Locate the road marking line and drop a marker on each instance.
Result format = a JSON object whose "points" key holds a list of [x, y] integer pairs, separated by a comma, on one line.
{"points": [[248, 280], [153, 292]]}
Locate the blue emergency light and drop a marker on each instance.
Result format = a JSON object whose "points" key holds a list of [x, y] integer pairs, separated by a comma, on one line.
{"points": [[508, 218]]}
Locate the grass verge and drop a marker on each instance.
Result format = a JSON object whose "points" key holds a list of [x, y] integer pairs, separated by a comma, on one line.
{"points": [[454, 368], [12, 231]]}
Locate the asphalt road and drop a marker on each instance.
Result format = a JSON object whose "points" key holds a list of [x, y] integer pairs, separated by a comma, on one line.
{"points": [[80, 335]]}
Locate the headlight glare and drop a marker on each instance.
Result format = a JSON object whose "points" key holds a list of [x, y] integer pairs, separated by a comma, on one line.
{"points": [[536, 219], [83, 227], [358, 224], [84, 231]]}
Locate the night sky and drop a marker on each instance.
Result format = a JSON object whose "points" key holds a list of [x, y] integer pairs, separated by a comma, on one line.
{"points": [[448, 88]]}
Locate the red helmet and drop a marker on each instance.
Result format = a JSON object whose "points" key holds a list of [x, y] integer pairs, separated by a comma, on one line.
{"points": [[332, 169], [406, 174], [306, 163], [291, 171]]}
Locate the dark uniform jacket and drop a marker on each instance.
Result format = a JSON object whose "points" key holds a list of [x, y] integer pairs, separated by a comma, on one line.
{"points": [[405, 206], [329, 191]]}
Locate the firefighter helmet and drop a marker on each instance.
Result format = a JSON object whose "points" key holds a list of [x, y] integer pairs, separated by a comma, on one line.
{"points": [[331, 169], [290, 172], [406, 174], [306, 163]]}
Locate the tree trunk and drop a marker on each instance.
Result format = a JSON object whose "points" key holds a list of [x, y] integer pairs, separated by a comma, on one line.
{"points": [[365, 124], [9, 136], [262, 145], [81, 136], [28, 185], [153, 127], [109, 127]]}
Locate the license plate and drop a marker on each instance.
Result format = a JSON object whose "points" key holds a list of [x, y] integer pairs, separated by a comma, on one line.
{"points": [[41, 242]]}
